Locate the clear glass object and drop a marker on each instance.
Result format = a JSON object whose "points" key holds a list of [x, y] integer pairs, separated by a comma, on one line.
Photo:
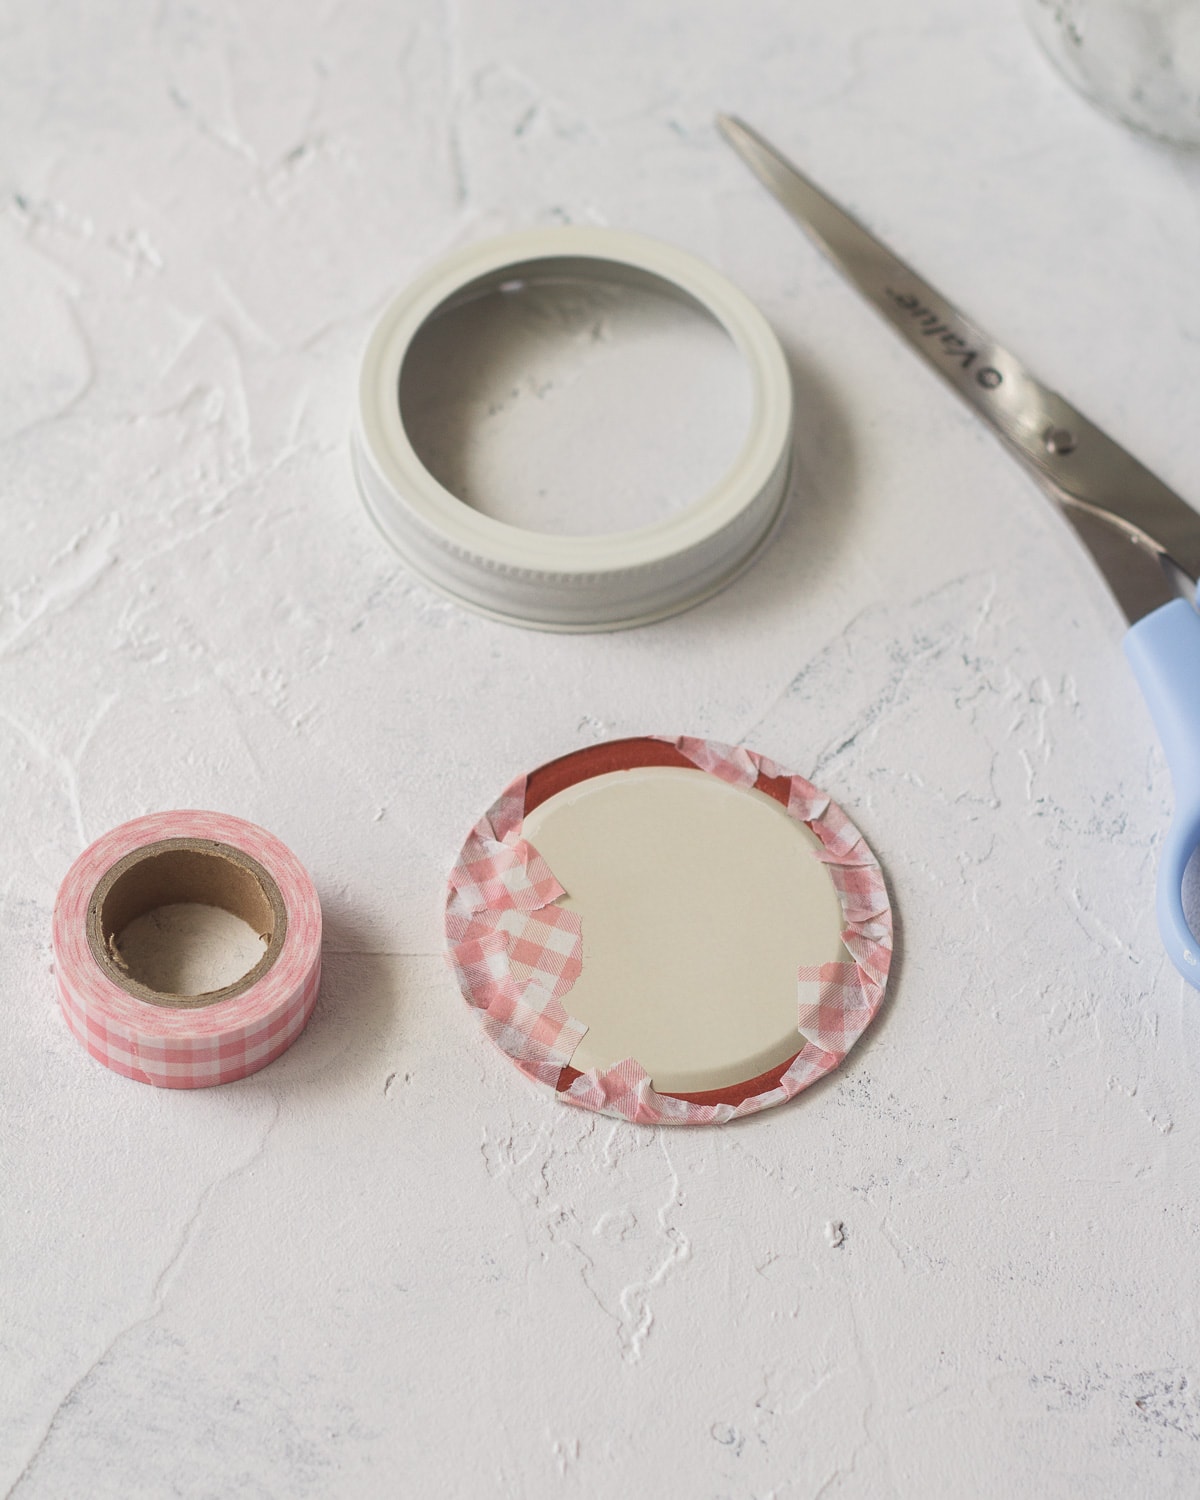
{"points": [[1138, 60]]}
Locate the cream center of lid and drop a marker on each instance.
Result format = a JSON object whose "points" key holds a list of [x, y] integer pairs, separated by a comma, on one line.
{"points": [[699, 902]]}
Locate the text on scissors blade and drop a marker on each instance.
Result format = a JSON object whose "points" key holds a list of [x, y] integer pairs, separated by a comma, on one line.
{"points": [[951, 344]]}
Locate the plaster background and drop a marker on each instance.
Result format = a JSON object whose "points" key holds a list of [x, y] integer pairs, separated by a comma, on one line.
{"points": [[387, 1265]]}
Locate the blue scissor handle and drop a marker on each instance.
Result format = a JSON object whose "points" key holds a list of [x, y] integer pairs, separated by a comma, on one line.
{"points": [[1164, 651]]}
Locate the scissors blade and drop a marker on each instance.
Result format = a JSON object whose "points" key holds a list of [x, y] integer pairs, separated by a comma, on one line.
{"points": [[1142, 536]]}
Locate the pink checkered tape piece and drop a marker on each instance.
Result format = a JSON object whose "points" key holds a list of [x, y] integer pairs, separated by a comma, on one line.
{"points": [[188, 1048], [521, 1000], [514, 952], [729, 763], [625, 1091]]}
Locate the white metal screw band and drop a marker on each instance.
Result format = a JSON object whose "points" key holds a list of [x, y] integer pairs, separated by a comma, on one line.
{"points": [[572, 582]]}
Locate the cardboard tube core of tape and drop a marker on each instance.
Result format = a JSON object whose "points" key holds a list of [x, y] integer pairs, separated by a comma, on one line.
{"points": [[559, 582], [184, 870]]}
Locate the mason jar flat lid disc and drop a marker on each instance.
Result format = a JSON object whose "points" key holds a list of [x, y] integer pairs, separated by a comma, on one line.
{"points": [[669, 930]]}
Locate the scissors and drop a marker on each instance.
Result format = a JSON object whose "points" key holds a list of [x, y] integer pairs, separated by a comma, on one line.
{"points": [[1142, 536]]}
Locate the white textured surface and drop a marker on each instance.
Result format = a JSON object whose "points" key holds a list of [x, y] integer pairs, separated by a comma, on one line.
{"points": [[188, 948], [576, 407], [386, 1265]]}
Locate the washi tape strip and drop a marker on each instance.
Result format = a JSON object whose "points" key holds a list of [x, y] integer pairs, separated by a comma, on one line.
{"points": [[517, 950], [572, 583], [181, 1041]]}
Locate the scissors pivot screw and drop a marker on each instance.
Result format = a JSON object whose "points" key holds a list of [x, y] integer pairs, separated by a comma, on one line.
{"points": [[1059, 440]]}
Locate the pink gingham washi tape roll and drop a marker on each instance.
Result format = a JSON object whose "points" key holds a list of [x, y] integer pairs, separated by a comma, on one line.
{"points": [[186, 1041]]}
